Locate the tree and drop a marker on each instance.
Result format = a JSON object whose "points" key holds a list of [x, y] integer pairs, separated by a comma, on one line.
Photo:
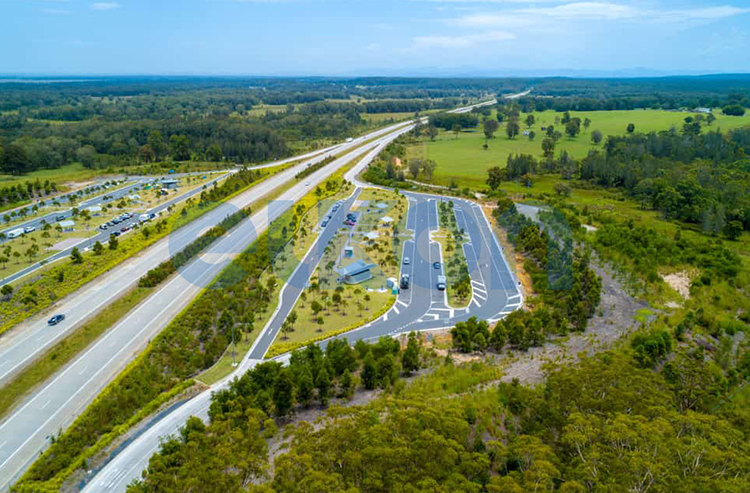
{"points": [[113, 243], [573, 127], [512, 128], [369, 372], [596, 137], [305, 387], [157, 144], [316, 307], [16, 255], [86, 155], [410, 357], [710, 119], [320, 324], [428, 168], [415, 165], [346, 384], [631, 128], [15, 160], [213, 153], [456, 129], [530, 120], [432, 132], [76, 256], [733, 110], [323, 384], [490, 127], [562, 189], [495, 177], [146, 154], [179, 147], [282, 393], [6, 290], [733, 230], [98, 248], [4, 260], [532, 135], [548, 147], [586, 124], [565, 118]]}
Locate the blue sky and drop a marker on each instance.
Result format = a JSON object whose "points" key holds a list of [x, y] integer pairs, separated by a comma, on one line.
{"points": [[370, 37]]}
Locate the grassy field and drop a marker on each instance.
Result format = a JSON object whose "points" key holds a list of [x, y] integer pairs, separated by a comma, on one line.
{"points": [[462, 158], [74, 172]]}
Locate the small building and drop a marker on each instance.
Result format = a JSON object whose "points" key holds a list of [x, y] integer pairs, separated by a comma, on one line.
{"points": [[134, 197], [386, 219], [67, 226], [372, 236], [169, 184], [380, 205], [356, 272], [348, 252], [95, 210]]}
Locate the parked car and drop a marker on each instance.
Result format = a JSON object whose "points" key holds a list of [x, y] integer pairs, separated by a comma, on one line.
{"points": [[56, 319], [124, 229], [116, 233], [103, 227], [349, 223], [407, 261]]}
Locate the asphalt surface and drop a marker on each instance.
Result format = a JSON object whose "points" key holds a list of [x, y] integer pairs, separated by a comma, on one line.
{"points": [[101, 236], [53, 407], [421, 307]]}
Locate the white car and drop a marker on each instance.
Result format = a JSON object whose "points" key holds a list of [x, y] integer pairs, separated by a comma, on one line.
{"points": [[407, 261], [29, 229]]}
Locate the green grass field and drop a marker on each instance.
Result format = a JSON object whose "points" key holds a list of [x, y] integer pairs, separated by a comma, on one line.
{"points": [[463, 159]]}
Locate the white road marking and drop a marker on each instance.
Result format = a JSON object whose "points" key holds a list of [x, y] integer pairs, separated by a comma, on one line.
{"points": [[46, 404]]}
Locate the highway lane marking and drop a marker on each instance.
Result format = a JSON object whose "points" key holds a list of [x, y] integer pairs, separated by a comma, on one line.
{"points": [[401, 303], [477, 295], [515, 305], [46, 404], [514, 296], [84, 369], [3, 444], [395, 309]]}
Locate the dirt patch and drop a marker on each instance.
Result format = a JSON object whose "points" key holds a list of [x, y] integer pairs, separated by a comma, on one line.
{"points": [[680, 282], [589, 228], [614, 319], [397, 162], [64, 244]]}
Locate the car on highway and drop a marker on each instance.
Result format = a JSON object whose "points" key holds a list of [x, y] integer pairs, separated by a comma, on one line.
{"points": [[405, 281], [56, 319], [307, 183], [60, 217], [324, 223], [436, 265], [335, 207], [29, 229], [407, 261]]}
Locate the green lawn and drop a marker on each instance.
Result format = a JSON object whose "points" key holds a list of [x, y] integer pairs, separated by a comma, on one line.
{"points": [[463, 158]]}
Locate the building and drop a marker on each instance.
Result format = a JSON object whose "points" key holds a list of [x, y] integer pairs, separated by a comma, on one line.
{"points": [[356, 272], [169, 184], [95, 210], [67, 226]]}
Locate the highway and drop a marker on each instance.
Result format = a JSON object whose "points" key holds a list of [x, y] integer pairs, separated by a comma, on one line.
{"points": [[422, 307], [54, 406]]}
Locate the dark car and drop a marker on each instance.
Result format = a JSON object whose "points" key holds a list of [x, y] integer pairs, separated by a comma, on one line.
{"points": [[124, 229], [56, 319], [61, 217], [405, 281], [348, 223], [436, 265]]}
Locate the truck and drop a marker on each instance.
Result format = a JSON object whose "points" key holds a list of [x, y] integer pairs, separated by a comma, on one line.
{"points": [[143, 218], [15, 233], [441, 283]]}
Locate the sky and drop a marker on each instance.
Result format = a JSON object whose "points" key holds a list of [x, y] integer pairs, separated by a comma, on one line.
{"points": [[375, 37]]}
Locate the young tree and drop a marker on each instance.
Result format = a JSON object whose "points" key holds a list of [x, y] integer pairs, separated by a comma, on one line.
{"points": [[495, 177], [415, 165], [432, 132], [456, 129], [548, 147], [596, 137], [586, 124], [530, 120], [631, 128], [410, 357], [428, 168], [113, 243], [323, 384], [532, 135], [346, 384], [76, 256]]}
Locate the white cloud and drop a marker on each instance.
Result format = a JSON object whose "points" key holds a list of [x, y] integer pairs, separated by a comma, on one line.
{"points": [[55, 11], [105, 5], [460, 42]]}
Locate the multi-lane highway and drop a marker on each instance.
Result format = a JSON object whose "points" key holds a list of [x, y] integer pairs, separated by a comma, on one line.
{"points": [[53, 407], [421, 307]]}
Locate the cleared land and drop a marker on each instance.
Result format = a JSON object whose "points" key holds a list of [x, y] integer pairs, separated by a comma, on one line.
{"points": [[462, 157]]}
